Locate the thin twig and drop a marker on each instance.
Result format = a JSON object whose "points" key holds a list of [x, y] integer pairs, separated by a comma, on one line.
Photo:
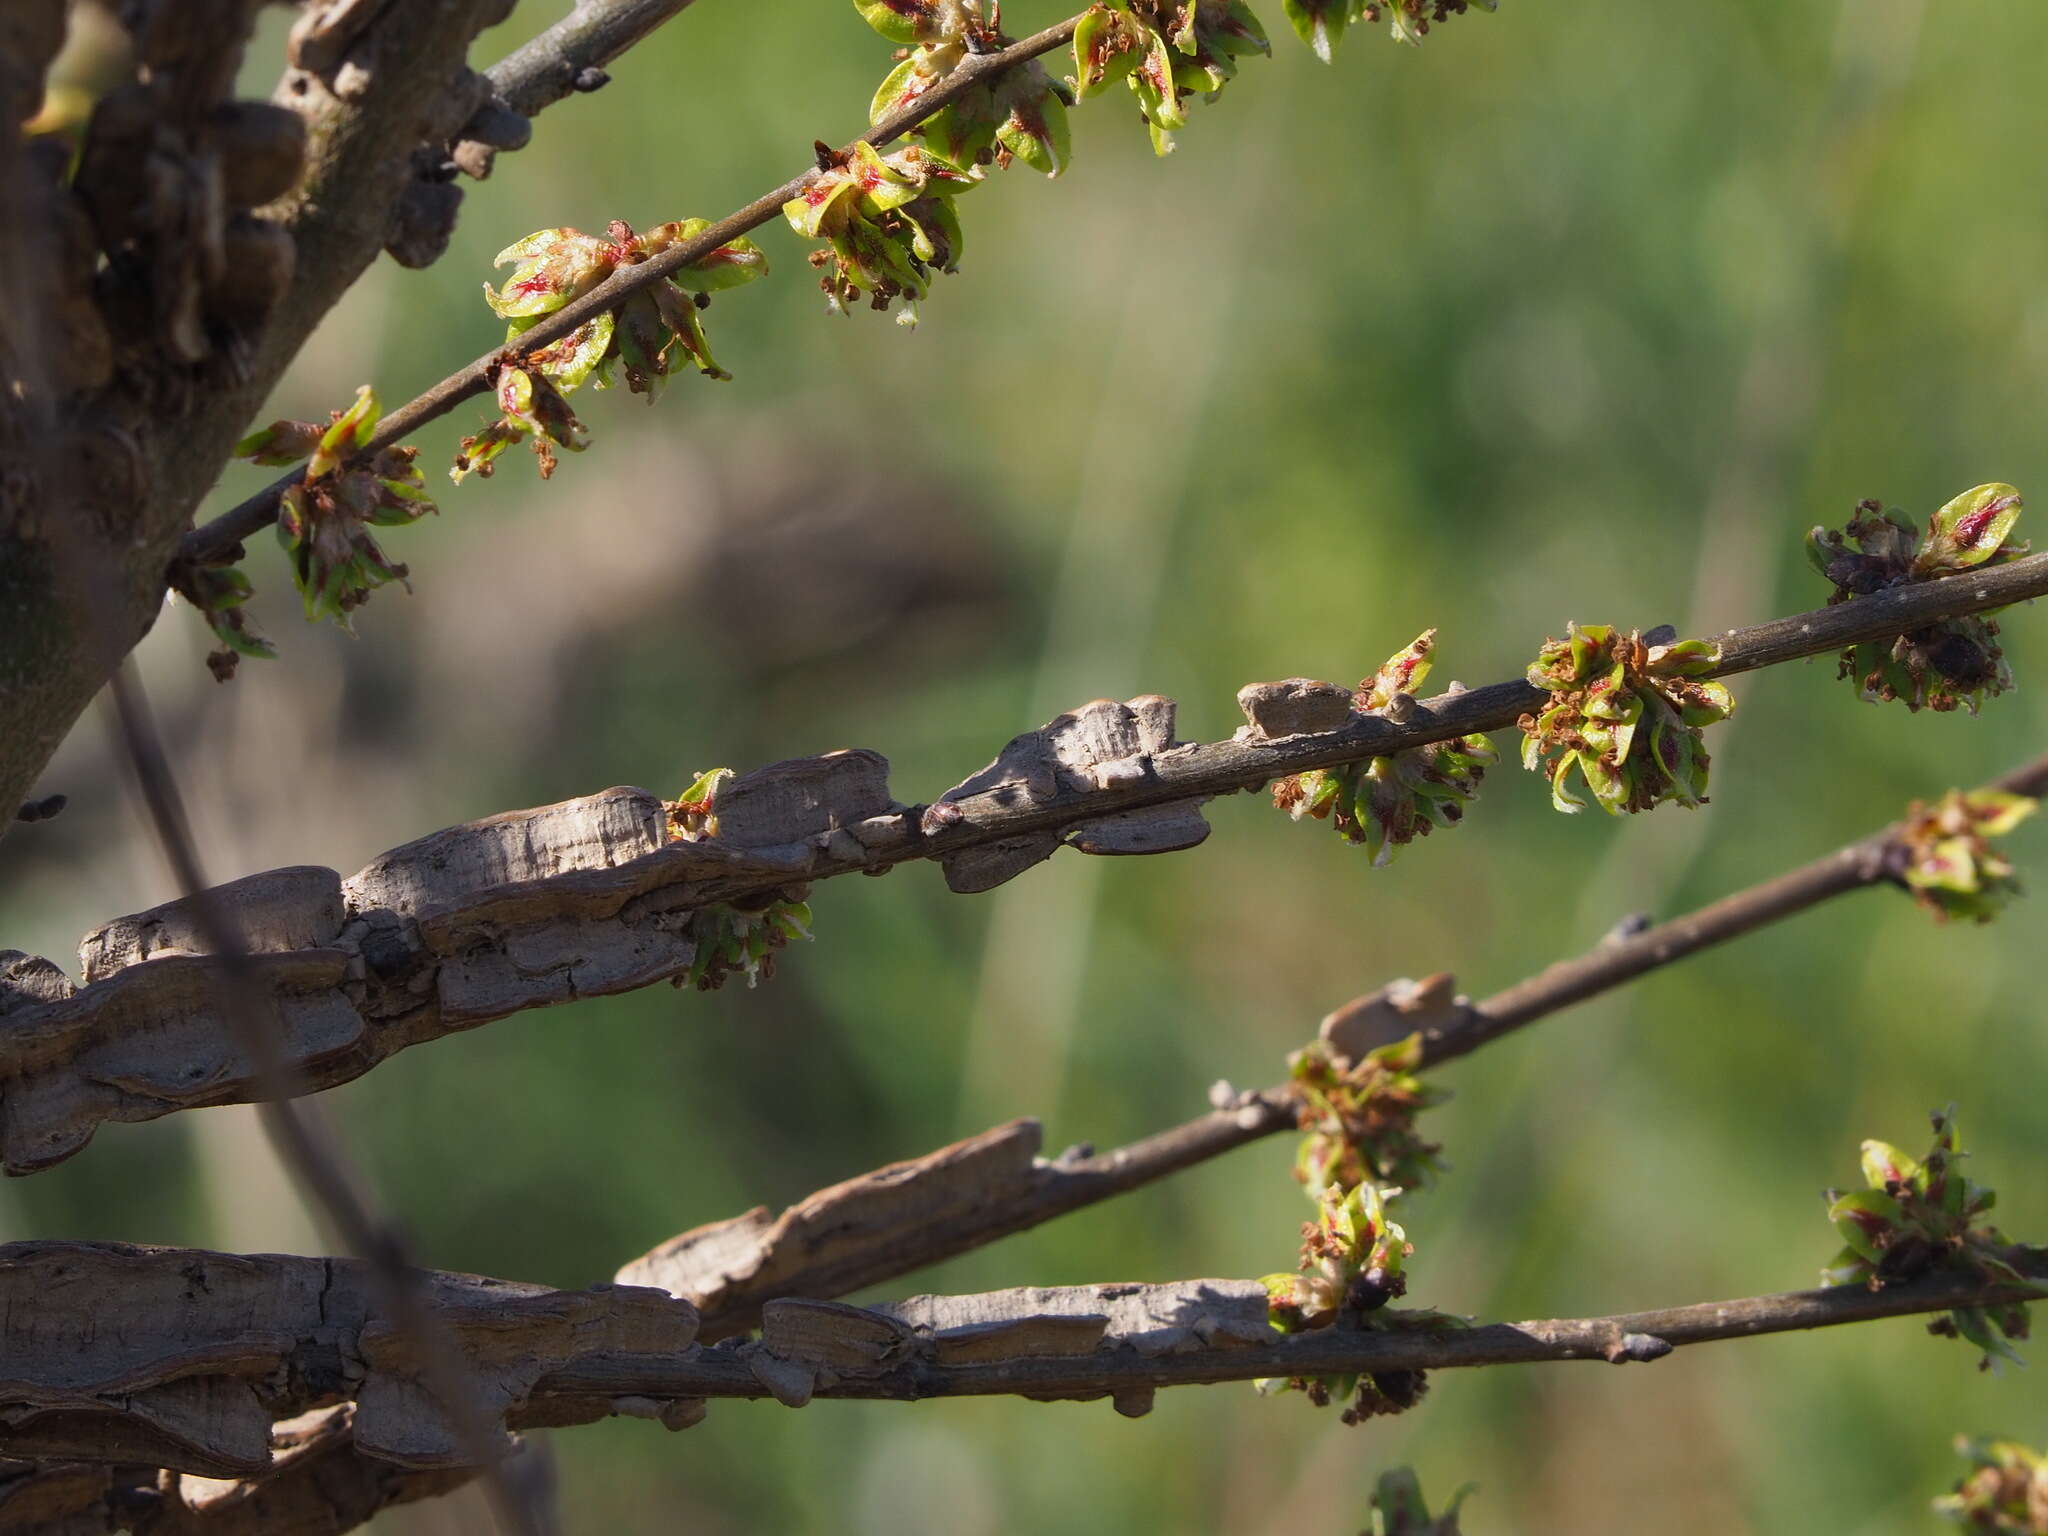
{"points": [[1870, 861], [556, 63], [216, 538]]}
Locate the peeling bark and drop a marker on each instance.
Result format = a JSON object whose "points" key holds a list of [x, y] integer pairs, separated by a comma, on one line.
{"points": [[184, 1359]]}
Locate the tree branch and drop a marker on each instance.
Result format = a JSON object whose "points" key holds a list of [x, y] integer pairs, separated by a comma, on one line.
{"points": [[217, 1346], [973, 1358], [591, 897], [213, 541], [561, 60], [898, 1219]]}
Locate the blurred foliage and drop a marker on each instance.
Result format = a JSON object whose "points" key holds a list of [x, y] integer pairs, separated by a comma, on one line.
{"points": [[1584, 312]]}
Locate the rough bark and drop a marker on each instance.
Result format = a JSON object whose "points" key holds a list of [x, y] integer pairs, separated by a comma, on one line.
{"points": [[184, 1359], [591, 897], [102, 473]]}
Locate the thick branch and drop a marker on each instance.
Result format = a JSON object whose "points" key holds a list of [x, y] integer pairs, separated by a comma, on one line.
{"points": [[204, 302], [214, 1347], [591, 897]]}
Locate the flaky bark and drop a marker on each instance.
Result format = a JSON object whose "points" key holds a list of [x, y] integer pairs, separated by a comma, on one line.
{"points": [[591, 896], [216, 1348]]}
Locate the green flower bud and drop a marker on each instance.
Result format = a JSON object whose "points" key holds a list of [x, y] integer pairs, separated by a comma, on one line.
{"points": [[1625, 718]]}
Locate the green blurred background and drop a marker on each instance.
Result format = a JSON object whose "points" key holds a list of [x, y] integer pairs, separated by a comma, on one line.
{"points": [[1579, 311]]}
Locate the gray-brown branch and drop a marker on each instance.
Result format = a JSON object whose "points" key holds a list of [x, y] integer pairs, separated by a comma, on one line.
{"points": [[591, 897], [895, 1220], [216, 1349], [570, 55]]}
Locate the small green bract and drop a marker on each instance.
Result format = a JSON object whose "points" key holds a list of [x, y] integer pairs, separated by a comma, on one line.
{"points": [[1952, 663], [1624, 717]]}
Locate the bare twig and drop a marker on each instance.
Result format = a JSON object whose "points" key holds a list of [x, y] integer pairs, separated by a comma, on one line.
{"points": [[569, 56], [1870, 861], [216, 538]]}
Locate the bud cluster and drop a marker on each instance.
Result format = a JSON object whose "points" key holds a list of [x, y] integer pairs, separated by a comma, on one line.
{"points": [[1164, 50], [1359, 1117], [653, 330], [323, 521], [1351, 1267], [1626, 715], [1946, 861], [1388, 802], [734, 940], [887, 222], [1020, 116], [1921, 1216], [1951, 663]]}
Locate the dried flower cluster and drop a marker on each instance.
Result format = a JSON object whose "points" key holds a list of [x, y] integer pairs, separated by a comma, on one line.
{"points": [[1946, 860], [1952, 663], [1351, 1267], [1388, 802], [2005, 1492], [1625, 715], [323, 521], [1920, 1216], [654, 330]]}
